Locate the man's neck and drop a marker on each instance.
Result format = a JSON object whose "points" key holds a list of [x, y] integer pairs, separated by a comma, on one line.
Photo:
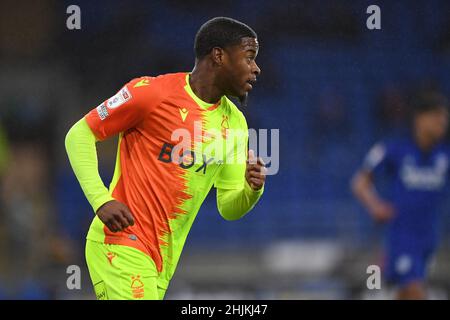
{"points": [[203, 83], [424, 142]]}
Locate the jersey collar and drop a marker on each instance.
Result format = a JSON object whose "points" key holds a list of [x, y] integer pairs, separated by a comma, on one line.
{"points": [[204, 105]]}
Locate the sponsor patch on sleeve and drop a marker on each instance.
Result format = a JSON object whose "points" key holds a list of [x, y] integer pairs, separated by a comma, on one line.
{"points": [[120, 98], [102, 111]]}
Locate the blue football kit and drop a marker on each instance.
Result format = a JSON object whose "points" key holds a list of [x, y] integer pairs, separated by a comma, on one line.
{"points": [[416, 184]]}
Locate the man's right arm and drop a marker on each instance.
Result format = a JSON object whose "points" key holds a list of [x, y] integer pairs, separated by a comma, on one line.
{"points": [[123, 111], [363, 187], [81, 149], [364, 190]]}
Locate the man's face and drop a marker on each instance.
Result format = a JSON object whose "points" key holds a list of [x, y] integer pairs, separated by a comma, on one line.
{"points": [[239, 67], [433, 123]]}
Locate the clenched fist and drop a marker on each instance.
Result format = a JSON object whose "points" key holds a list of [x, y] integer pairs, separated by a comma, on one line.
{"points": [[115, 215], [256, 171]]}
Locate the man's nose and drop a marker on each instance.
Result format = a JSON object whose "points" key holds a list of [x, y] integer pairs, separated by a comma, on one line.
{"points": [[256, 70]]}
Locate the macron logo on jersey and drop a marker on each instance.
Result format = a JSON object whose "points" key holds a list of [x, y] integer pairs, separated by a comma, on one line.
{"points": [[142, 83], [183, 113]]}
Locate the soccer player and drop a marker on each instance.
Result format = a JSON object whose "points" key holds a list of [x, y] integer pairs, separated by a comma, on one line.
{"points": [[417, 168], [161, 176]]}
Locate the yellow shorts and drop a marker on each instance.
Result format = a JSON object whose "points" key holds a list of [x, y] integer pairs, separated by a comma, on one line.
{"points": [[122, 273]]}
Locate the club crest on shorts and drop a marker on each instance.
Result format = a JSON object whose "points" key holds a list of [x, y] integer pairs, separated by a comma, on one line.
{"points": [[137, 287]]}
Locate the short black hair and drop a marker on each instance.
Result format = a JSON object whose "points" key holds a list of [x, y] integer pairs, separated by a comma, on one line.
{"points": [[428, 101], [220, 32]]}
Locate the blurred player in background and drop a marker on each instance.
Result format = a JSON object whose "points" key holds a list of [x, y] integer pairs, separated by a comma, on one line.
{"points": [[417, 168], [141, 223]]}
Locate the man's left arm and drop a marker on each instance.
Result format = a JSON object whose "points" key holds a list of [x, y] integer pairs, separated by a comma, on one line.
{"points": [[233, 204]]}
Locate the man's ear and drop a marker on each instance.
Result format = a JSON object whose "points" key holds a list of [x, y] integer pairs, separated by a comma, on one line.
{"points": [[218, 55]]}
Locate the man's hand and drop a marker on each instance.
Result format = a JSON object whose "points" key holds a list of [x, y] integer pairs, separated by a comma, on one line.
{"points": [[115, 215], [382, 211], [364, 189], [256, 171]]}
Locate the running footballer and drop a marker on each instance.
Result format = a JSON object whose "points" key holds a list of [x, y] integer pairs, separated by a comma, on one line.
{"points": [[164, 166]]}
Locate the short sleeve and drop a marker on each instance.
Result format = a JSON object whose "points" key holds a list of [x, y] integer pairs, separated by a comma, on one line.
{"points": [[232, 172], [379, 158], [124, 110]]}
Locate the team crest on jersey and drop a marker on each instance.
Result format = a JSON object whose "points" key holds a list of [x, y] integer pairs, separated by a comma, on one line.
{"points": [[120, 98]]}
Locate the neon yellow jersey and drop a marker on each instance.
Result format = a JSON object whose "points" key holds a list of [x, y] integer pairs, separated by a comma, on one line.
{"points": [[173, 148]]}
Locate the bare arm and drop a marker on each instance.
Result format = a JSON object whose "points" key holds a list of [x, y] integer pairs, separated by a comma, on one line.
{"points": [[364, 190]]}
